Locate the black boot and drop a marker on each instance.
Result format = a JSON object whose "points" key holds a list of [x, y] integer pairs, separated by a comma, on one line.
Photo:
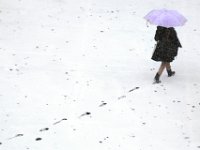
{"points": [[170, 73], [157, 78]]}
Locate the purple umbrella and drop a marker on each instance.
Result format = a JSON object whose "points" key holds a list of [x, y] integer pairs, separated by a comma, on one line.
{"points": [[165, 18]]}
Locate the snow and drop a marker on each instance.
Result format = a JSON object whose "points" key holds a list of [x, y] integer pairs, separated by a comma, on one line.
{"points": [[78, 75]]}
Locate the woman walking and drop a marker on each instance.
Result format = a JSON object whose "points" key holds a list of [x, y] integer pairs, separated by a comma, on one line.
{"points": [[166, 49]]}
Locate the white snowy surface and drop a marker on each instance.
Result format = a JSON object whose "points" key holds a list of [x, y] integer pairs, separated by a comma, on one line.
{"points": [[60, 59]]}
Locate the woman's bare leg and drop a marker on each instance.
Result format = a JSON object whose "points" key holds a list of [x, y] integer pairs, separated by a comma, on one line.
{"points": [[168, 66], [169, 71], [160, 71], [162, 67]]}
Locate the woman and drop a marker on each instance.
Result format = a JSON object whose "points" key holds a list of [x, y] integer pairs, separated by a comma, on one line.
{"points": [[166, 49]]}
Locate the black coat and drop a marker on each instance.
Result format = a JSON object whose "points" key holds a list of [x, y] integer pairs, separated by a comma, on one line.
{"points": [[167, 44]]}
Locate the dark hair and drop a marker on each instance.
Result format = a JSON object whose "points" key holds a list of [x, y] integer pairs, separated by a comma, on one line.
{"points": [[167, 33]]}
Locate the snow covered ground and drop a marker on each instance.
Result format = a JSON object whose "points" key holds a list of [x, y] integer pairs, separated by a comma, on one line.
{"points": [[77, 75]]}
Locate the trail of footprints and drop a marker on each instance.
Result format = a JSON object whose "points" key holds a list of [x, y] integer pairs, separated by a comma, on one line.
{"points": [[65, 119], [46, 128], [41, 130], [103, 104]]}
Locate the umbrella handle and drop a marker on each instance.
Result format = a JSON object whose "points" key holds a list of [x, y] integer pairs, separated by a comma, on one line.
{"points": [[147, 24]]}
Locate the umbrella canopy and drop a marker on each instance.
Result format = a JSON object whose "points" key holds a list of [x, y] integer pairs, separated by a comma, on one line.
{"points": [[165, 18]]}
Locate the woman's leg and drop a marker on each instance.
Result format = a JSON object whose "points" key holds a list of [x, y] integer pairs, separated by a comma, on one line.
{"points": [[169, 71], [162, 67], [168, 66], [160, 71]]}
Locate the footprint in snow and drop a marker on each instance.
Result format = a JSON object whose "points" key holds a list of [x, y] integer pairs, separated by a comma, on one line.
{"points": [[85, 114], [18, 135], [133, 89], [44, 129], [121, 97], [60, 121], [103, 104], [38, 139]]}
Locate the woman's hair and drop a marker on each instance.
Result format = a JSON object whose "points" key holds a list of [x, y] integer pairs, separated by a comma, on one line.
{"points": [[167, 33]]}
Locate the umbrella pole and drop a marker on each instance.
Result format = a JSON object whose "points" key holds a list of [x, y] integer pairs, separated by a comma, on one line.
{"points": [[147, 24]]}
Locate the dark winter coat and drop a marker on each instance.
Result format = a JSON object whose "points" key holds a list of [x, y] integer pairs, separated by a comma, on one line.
{"points": [[167, 44]]}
